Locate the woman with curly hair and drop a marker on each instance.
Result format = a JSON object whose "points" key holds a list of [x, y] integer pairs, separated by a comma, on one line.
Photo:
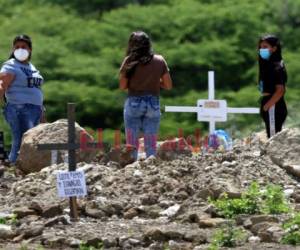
{"points": [[143, 74]]}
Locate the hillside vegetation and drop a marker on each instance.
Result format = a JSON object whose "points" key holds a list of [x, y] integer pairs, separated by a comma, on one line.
{"points": [[79, 45]]}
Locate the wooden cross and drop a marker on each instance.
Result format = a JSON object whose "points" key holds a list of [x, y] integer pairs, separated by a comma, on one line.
{"points": [[211, 110], [71, 146]]}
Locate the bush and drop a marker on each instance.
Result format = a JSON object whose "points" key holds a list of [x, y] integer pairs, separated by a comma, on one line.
{"points": [[253, 201], [292, 227], [227, 237], [84, 246], [274, 200], [10, 220], [193, 35], [248, 204]]}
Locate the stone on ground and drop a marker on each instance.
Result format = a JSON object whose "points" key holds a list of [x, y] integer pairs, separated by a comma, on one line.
{"points": [[32, 160], [284, 150], [171, 149]]}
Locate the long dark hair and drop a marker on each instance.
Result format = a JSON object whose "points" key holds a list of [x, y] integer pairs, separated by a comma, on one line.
{"points": [[23, 38], [275, 61], [139, 50]]}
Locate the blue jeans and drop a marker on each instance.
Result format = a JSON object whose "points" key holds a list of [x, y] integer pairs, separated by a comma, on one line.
{"points": [[20, 117], [142, 113]]}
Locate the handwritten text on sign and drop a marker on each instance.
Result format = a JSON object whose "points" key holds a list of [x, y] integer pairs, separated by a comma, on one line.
{"points": [[71, 184]]}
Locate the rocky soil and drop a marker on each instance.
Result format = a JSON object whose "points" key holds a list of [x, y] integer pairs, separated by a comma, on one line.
{"points": [[152, 204]]}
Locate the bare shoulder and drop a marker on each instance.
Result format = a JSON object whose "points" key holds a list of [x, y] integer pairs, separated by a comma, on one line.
{"points": [[159, 57]]}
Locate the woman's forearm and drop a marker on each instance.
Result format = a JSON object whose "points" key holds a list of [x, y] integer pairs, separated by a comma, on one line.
{"points": [[166, 81], [123, 82], [5, 81], [275, 98]]}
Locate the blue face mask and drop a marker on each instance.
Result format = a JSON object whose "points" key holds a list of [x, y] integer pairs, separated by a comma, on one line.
{"points": [[265, 53]]}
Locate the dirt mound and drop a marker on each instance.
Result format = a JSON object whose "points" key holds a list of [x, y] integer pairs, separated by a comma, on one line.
{"points": [[151, 203]]}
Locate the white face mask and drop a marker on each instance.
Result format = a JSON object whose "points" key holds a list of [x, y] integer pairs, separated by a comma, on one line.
{"points": [[21, 54]]}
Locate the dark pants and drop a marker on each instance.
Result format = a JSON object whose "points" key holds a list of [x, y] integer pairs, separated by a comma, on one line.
{"points": [[275, 116]]}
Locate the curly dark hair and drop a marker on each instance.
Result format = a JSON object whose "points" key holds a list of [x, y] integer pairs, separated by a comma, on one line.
{"points": [[139, 50]]}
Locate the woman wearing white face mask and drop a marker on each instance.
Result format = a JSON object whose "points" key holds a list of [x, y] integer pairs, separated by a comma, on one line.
{"points": [[21, 82]]}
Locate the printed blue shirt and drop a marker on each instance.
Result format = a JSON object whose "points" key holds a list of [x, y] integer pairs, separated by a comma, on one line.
{"points": [[26, 86]]}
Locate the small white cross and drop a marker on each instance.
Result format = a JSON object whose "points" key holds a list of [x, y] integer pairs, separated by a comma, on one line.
{"points": [[211, 110]]}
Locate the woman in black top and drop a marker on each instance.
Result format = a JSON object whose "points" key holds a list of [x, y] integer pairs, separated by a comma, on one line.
{"points": [[272, 81]]}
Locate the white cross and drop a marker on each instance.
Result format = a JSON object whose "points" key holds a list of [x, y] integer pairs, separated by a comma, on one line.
{"points": [[211, 110]]}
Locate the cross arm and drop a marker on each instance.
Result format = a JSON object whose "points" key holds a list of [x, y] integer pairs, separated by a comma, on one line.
{"points": [[195, 110], [243, 110], [181, 109], [58, 146], [64, 146]]}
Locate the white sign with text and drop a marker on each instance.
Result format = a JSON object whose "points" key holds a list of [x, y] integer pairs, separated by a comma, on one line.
{"points": [[212, 110], [71, 184]]}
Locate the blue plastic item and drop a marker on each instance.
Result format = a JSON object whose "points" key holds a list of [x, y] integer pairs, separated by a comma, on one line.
{"points": [[220, 138]]}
